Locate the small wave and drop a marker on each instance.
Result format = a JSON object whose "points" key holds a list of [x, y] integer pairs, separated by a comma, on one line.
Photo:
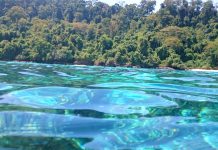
{"points": [[103, 100], [31, 74]]}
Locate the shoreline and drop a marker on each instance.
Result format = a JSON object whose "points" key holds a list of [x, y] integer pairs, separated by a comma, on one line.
{"points": [[204, 70], [78, 64]]}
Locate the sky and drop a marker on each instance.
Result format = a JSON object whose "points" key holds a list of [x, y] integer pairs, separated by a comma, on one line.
{"points": [[111, 2]]}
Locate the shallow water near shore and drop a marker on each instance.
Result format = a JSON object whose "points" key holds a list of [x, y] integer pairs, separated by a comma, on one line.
{"points": [[45, 106]]}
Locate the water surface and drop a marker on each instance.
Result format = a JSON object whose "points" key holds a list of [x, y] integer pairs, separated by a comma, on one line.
{"points": [[81, 107]]}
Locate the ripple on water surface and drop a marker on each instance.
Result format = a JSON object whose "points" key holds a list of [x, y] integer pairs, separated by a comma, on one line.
{"points": [[159, 132], [103, 100], [81, 107]]}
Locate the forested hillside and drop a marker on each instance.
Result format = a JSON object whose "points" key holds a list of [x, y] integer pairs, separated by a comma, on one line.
{"points": [[181, 34]]}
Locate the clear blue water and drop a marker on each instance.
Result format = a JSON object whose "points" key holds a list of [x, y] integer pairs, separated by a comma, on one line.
{"points": [[80, 107]]}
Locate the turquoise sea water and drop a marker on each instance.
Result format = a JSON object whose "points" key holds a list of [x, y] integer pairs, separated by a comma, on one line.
{"points": [[61, 107]]}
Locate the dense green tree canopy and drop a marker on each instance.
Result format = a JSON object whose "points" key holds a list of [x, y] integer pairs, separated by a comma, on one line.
{"points": [[182, 34]]}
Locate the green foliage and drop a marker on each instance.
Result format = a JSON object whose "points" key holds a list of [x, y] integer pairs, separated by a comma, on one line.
{"points": [[16, 13], [212, 51], [105, 43], [181, 34]]}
